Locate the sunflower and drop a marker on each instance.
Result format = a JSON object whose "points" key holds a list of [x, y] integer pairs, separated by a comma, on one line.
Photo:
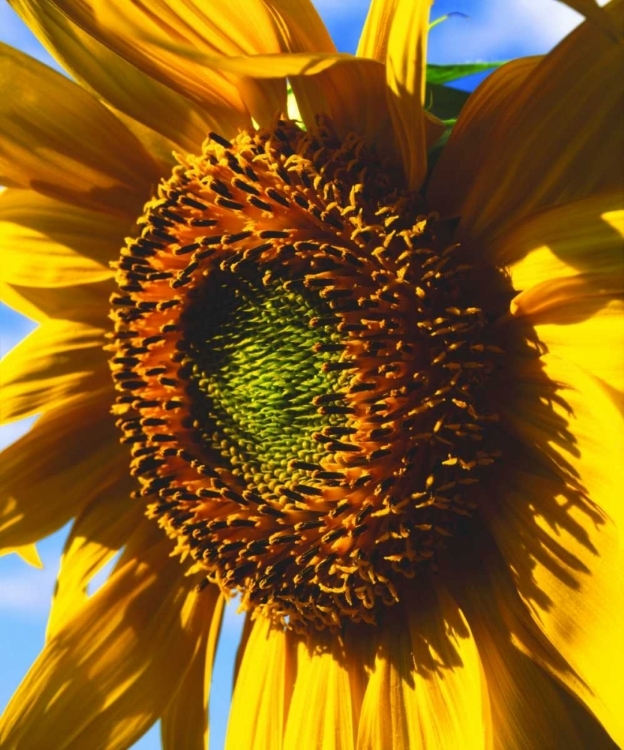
{"points": [[365, 376]]}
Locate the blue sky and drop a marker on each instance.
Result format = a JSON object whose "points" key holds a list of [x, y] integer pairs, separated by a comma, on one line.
{"points": [[492, 30]]}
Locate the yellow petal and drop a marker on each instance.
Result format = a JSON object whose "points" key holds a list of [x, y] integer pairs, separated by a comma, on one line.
{"points": [[87, 303], [262, 691], [525, 702], [569, 264], [114, 79], [28, 553], [184, 725], [57, 361], [426, 689], [99, 531], [321, 713], [353, 94], [470, 140], [566, 550], [580, 237], [163, 38], [112, 670], [49, 243], [558, 139], [68, 458], [405, 71], [374, 38], [60, 141]]}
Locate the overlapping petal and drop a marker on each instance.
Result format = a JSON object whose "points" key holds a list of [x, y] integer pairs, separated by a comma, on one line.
{"points": [[528, 708], [40, 113], [48, 243], [58, 361], [184, 724], [560, 532], [426, 688], [568, 265], [163, 40], [321, 712], [121, 659], [263, 689], [556, 140], [68, 458]]}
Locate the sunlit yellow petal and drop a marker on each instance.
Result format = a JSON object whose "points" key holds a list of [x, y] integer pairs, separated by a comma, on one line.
{"points": [[84, 302], [99, 531], [556, 140], [111, 671], [163, 40], [374, 38], [28, 553], [68, 457], [568, 264], [405, 70], [57, 361], [321, 712], [426, 689], [40, 114], [575, 567], [263, 689], [48, 243], [184, 725], [114, 79], [525, 702]]}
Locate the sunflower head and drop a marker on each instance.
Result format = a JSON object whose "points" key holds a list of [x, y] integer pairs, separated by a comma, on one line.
{"points": [[300, 358]]}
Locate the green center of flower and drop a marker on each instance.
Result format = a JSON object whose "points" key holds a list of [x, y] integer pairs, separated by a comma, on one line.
{"points": [[301, 369], [256, 369]]}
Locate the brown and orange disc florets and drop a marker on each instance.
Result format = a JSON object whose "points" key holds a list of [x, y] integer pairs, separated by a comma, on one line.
{"points": [[300, 373]]}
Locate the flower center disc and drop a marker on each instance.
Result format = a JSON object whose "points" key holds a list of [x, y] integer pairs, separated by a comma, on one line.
{"points": [[300, 373]]}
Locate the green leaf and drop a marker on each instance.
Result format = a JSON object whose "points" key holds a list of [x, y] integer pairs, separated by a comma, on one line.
{"points": [[453, 71], [445, 102]]}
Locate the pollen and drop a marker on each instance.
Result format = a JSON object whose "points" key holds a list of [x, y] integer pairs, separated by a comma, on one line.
{"points": [[300, 366]]}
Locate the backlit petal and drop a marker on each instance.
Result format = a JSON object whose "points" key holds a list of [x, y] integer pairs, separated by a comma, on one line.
{"points": [[70, 456], [98, 532], [111, 671], [568, 265], [84, 302], [374, 38], [262, 691], [57, 361], [44, 118], [321, 713], [49, 243], [557, 140], [184, 725], [574, 574], [470, 141], [405, 71], [426, 689]]}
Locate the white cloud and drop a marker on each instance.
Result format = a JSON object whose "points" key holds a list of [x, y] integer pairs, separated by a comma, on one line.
{"points": [[500, 30], [9, 433], [27, 593]]}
